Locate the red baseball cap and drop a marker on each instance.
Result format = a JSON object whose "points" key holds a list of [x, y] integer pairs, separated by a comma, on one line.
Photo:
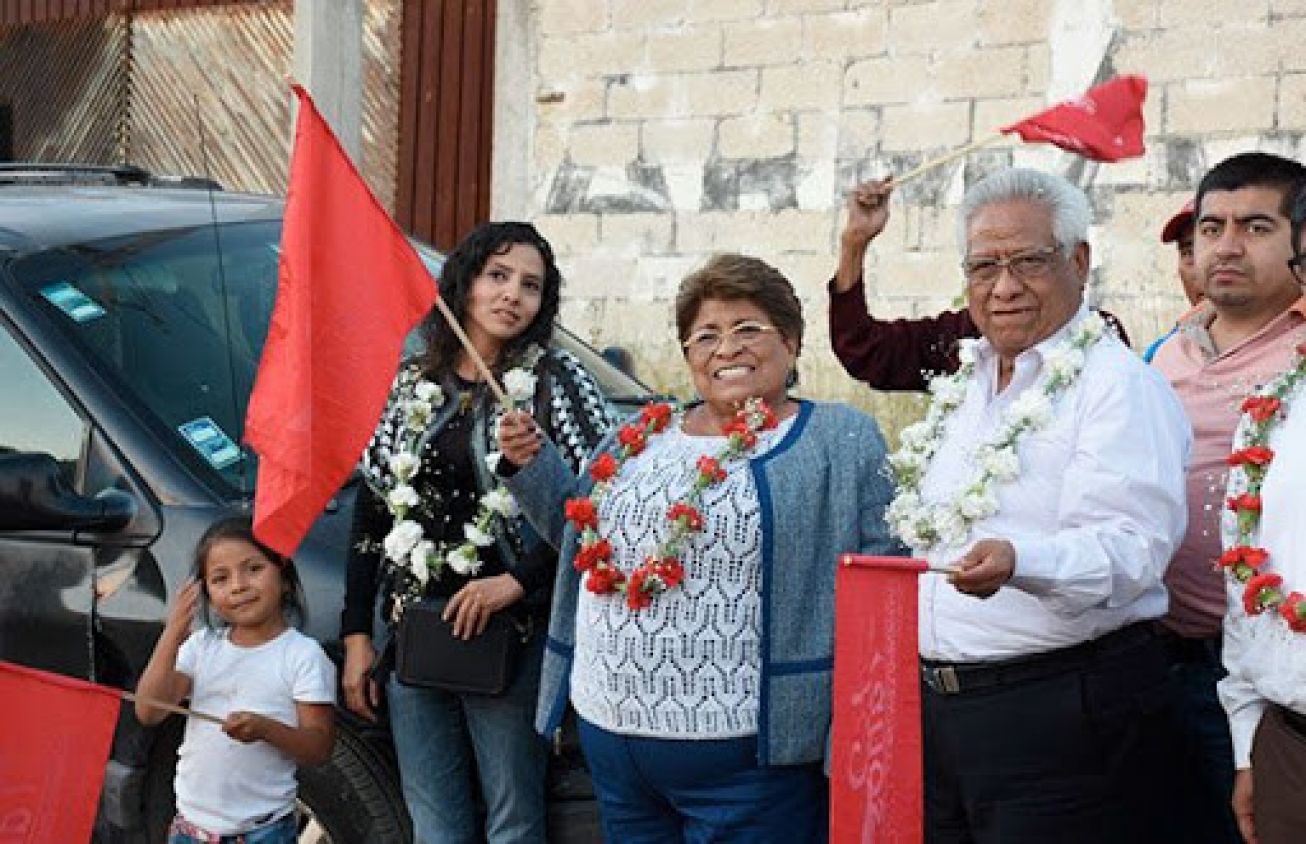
{"points": [[1175, 225]]}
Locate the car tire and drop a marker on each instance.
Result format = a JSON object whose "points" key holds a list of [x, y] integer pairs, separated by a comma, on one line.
{"points": [[355, 797]]}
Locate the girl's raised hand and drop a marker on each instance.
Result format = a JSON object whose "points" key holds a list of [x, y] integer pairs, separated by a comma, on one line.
{"points": [[161, 681], [519, 437], [182, 614]]}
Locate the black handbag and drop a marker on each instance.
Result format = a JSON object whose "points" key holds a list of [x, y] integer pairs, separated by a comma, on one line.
{"points": [[429, 655]]}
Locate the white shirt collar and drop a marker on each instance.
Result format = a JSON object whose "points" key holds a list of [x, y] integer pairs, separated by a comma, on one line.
{"points": [[1028, 363]]}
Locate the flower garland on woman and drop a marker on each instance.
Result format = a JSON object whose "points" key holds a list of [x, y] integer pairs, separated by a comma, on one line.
{"points": [[1245, 560], [412, 558], [925, 525], [661, 569]]}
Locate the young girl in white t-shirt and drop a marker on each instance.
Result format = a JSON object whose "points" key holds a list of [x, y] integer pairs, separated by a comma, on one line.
{"points": [[273, 687]]}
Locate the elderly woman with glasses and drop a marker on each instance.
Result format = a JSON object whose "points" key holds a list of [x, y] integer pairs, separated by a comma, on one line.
{"points": [[692, 623]]}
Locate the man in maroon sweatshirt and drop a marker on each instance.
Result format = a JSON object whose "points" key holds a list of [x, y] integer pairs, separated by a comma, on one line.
{"points": [[890, 354]]}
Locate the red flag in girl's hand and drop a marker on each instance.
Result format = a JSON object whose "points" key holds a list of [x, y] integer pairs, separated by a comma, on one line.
{"points": [[54, 743], [1105, 124]]}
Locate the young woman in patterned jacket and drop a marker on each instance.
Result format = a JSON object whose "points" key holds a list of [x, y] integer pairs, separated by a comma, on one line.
{"points": [[432, 521]]}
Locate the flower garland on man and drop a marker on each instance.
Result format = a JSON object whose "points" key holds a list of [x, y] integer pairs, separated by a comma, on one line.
{"points": [[1047, 481], [923, 525], [1265, 562], [1246, 561]]}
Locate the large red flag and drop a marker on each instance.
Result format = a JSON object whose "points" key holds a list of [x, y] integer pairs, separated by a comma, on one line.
{"points": [[876, 773], [54, 743], [350, 288], [1105, 124]]}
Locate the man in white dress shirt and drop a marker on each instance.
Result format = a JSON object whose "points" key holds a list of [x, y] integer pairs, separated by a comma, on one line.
{"points": [[1055, 489], [1265, 651]]}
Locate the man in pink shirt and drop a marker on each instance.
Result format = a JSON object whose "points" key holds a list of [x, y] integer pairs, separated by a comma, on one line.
{"points": [[1243, 334]]}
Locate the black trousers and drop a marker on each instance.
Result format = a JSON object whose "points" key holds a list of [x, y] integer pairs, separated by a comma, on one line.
{"points": [[1073, 750]]}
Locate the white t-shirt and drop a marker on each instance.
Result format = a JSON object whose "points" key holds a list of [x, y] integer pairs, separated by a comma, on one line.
{"points": [[225, 786]]}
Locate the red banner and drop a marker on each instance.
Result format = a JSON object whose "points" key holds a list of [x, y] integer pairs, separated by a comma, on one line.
{"points": [[54, 743], [876, 776]]}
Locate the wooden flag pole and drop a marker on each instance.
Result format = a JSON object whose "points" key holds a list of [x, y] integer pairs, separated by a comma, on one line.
{"points": [[132, 697], [928, 566], [479, 361], [944, 159]]}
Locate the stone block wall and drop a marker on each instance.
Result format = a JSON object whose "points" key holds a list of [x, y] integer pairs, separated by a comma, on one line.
{"points": [[656, 133]]}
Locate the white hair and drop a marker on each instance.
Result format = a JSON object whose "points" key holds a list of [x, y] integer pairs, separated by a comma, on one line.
{"points": [[1067, 204]]}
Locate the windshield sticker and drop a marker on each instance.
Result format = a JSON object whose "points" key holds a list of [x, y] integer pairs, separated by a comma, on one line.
{"points": [[77, 305], [211, 442]]}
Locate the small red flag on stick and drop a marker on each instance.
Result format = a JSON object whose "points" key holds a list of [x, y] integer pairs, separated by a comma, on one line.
{"points": [[54, 742], [350, 287], [1105, 124]]}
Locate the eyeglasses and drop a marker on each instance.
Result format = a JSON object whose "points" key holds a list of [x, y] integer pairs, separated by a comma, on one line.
{"points": [[1026, 266], [706, 342], [1297, 263]]}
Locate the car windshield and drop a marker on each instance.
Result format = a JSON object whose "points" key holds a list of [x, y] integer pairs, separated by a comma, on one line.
{"points": [[179, 334]]}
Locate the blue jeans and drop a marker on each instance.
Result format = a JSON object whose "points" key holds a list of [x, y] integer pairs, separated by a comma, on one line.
{"points": [[437, 736], [663, 791], [1204, 770], [283, 831]]}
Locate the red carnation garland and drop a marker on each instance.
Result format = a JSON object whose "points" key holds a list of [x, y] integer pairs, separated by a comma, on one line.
{"points": [[1245, 561], [662, 570]]}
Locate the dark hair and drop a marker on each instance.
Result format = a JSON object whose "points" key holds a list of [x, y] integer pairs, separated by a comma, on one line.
{"points": [[1298, 220], [1254, 170], [732, 277], [242, 528], [461, 268]]}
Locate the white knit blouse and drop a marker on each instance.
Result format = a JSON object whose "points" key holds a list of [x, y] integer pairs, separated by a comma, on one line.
{"points": [[687, 666]]}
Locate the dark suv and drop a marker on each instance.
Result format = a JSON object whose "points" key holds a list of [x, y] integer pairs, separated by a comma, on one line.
{"points": [[132, 316]]}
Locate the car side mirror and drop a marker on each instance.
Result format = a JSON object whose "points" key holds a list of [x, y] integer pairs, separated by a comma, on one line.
{"points": [[36, 495], [620, 357]]}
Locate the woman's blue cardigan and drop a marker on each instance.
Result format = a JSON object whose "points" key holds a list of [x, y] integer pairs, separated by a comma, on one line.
{"points": [[823, 490]]}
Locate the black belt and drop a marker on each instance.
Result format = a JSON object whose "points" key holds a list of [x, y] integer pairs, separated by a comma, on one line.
{"points": [[1190, 648], [948, 678]]}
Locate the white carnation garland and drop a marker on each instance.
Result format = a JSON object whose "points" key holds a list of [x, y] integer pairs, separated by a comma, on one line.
{"points": [[923, 525], [406, 546]]}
